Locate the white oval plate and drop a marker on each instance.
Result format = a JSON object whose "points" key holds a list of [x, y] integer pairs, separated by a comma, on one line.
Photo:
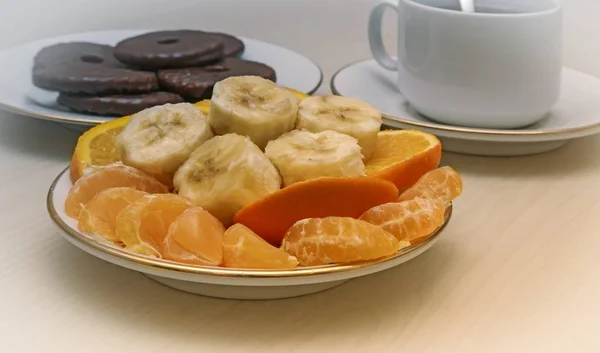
{"points": [[19, 95], [576, 115], [221, 282]]}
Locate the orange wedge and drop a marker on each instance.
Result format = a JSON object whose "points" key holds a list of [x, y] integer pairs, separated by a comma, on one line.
{"points": [[144, 224], [414, 220], [242, 248], [322, 241], [442, 183], [403, 156], [107, 177], [100, 214], [97, 147], [272, 216], [195, 237]]}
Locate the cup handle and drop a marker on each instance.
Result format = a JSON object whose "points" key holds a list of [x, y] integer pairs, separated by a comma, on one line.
{"points": [[375, 40]]}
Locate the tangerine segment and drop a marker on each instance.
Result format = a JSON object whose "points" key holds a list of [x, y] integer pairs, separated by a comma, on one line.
{"points": [[97, 147], [111, 176], [403, 156], [414, 220], [74, 172], [442, 183], [244, 249], [195, 237], [143, 225], [321, 241], [100, 214], [273, 215]]}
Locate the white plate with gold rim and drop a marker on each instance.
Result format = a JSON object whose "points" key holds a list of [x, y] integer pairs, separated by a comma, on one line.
{"points": [[19, 95], [221, 282], [576, 115]]}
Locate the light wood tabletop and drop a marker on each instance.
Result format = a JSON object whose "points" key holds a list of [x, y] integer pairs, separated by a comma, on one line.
{"points": [[517, 269]]}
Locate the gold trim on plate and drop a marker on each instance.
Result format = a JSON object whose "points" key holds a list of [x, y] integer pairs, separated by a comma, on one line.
{"points": [[468, 130], [171, 266]]}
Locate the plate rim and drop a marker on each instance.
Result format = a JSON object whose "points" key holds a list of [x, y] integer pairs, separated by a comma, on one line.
{"points": [[460, 132], [95, 120], [162, 265]]}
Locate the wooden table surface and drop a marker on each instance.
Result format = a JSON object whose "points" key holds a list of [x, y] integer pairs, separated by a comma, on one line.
{"points": [[517, 270]]}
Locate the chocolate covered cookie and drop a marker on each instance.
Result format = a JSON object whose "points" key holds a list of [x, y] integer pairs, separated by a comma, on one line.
{"points": [[170, 49], [117, 105], [232, 46], [87, 68], [196, 83]]}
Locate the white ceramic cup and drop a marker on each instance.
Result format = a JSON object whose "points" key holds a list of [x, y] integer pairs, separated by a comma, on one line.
{"points": [[492, 70]]}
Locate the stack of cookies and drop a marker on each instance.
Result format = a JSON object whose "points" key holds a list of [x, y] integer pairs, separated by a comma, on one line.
{"points": [[143, 71]]}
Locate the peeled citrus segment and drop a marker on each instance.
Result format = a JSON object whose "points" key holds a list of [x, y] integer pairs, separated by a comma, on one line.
{"points": [[111, 176], [195, 237], [321, 241], [143, 225], [97, 147], [273, 215], [442, 183], [414, 220], [100, 214], [244, 249], [403, 156]]}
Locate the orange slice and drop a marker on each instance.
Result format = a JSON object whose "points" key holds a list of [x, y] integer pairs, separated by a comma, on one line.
{"points": [[110, 176], [97, 147], [143, 225], [403, 156], [442, 183], [321, 241], [244, 249], [413, 220], [195, 237], [273, 215], [100, 214]]}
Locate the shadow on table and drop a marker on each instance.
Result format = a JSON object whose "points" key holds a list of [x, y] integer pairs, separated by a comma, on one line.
{"points": [[575, 156], [36, 137], [347, 312]]}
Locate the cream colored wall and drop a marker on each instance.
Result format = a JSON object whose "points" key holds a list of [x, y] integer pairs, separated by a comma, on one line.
{"points": [[22, 20]]}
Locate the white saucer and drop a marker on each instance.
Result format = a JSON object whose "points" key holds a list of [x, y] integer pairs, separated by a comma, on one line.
{"points": [[18, 95], [228, 283], [576, 115]]}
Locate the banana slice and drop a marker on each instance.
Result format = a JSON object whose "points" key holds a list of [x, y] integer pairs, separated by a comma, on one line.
{"points": [[252, 106], [158, 140], [303, 155], [346, 115], [225, 174]]}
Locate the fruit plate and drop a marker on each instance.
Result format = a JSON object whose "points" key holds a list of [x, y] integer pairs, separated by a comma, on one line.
{"points": [[20, 96], [227, 283]]}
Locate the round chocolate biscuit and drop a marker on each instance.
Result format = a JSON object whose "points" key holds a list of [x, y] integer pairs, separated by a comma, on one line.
{"points": [[117, 105], [232, 46], [170, 49], [196, 83], [87, 68]]}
